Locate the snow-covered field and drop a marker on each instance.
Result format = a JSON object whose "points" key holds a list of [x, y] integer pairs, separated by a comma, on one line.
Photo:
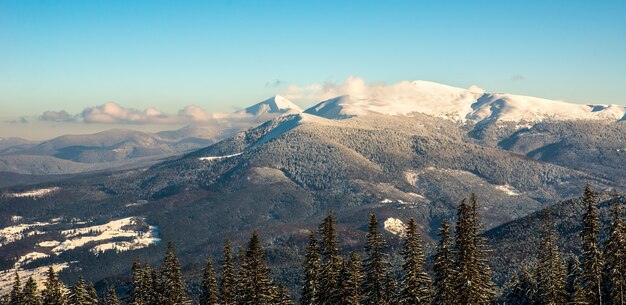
{"points": [[34, 193], [509, 190], [119, 235]]}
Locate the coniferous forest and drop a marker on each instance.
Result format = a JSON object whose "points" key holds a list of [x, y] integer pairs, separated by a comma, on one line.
{"points": [[458, 273]]}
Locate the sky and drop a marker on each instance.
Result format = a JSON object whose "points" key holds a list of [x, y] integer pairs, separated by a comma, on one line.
{"points": [[76, 56]]}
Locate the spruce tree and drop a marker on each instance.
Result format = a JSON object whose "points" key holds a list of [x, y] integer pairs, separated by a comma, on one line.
{"points": [[241, 275], [592, 256], [111, 298], [444, 268], [528, 290], [257, 286], [29, 293], [92, 295], [283, 296], [138, 295], [329, 274], [310, 287], [374, 267], [52, 293], [473, 284], [209, 286], [227, 284], [16, 297], [551, 273], [416, 284], [173, 285], [78, 294], [351, 281], [615, 260], [155, 287], [575, 294]]}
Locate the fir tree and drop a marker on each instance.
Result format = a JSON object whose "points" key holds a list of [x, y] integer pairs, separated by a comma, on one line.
{"points": [[240, 275], [16, 296], [592, 256], [111, 298], [173, 284], [444, 267], [329, 274], [374, 267], [283, 296], [53, 290], [78, 294], [551, 271], [258, 288], [575, 295], [155, 287], [227, 284], [416, 284], [29, 293], [93, 295], [473, 283], [139, 293], [528, 290], [615, 260], [351, 281], [310, 287], [209, 286]]}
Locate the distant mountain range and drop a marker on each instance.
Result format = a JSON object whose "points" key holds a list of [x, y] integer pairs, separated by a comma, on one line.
{"points": [[414, 154]]}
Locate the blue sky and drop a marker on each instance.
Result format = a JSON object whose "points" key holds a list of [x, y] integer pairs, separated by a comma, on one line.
{"points": [[222, 55]]}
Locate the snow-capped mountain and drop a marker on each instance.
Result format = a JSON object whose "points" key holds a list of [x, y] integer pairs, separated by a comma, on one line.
{"points": [[462, 105], [274, 105]]}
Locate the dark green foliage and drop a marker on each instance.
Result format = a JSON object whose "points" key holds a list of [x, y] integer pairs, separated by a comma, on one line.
{"points": [[257, 286], [140, 293], [416, 284], [575, 294], [444, 268], [111, 298], [209, 294], [29, 293], [375, 267], [310, 287], [78, 294], [551, 271], [228, 284], [350, 280], [283, 297], [330, 262], [53, 293], [16, 296], [172, 279], [615, 259], [592, 264]]}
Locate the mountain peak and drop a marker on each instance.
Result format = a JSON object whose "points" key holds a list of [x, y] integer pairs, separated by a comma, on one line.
{"points": [[273, 105]]}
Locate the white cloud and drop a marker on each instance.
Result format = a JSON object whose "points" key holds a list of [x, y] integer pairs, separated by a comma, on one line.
{"points": [[57, 116]]}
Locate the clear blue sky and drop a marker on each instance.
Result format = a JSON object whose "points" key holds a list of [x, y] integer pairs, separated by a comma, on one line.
{"points": [[221, 54]]}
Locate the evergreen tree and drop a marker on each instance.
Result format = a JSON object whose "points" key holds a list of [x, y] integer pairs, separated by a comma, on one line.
{"points": [[310, 288], [53, 290], [16, 297], [592, 256], [240, 275], [209, 286], [444, 268], [374, 267], [258, 288], [615, 260], [575, 294], [329, 274], [511, 292], [155, 287], [416, 284], [351, 281], [93, 295], [112, 297], [78, 294], [283, 296], [173, 284], [139, 294], [473, 284], [551, 271], [227, 284], [528, 287], [29, 293]]}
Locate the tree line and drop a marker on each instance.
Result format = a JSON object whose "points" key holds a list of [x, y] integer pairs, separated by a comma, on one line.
{"points": [[460, 274]]}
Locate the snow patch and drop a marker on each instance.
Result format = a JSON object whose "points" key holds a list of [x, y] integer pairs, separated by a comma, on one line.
{"points": [[395, 226], [14, 233], [38, 193], [509, 190], [212, 158]]}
